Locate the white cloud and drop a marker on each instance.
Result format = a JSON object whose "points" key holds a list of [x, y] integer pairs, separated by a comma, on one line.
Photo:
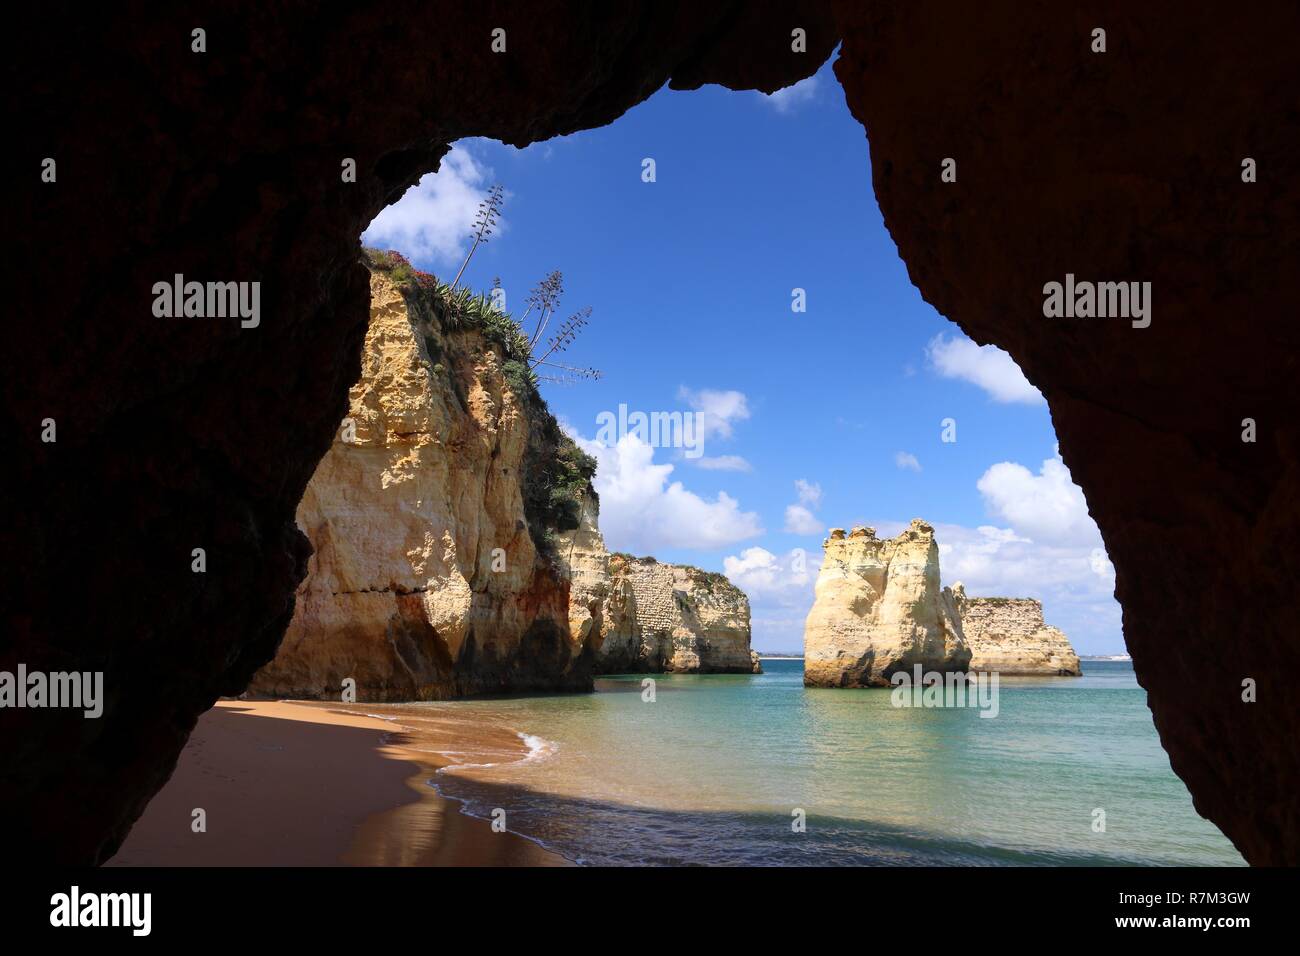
{"points": [[780, 591], [720, 409], [810, 493], [984, 365], [724, 463], [791, 97], [906, 461], [1048, 507], [434, 218], [641, 511], [998, 562], [799, 517], [799, 520], [764, 577]]}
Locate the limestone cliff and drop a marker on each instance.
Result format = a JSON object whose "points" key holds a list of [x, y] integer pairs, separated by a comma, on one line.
{"points": [[1008, 635], [673, 618], [581, 553], [879, 608], [436, 570]]}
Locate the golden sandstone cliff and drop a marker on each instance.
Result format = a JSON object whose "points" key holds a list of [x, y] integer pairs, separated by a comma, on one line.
{"points": [[674, 618], [880, 609], [1008, 635], [640, 615], [427, 580], [456, 539]]}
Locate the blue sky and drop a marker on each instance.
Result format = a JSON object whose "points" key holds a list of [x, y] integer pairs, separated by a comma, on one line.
{"points": [[829, 417]]}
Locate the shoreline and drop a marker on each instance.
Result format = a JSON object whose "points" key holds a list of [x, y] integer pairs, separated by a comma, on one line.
{"points": [[304, 783]]}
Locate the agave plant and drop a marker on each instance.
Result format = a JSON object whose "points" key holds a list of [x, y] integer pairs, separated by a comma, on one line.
{"points": [[457, 307], [488, 211], [564, 337]]}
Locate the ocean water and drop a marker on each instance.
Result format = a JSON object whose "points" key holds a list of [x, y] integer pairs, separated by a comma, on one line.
{"points": [[719, 768]]}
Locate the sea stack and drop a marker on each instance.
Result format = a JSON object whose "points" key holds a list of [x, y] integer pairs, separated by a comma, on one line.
{"points": [[1008, 635], [673, 618], [879, 609]]}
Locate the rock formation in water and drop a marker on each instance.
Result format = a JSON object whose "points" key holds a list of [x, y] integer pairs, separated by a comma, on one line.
{"points": [[1008, 635], [431, 576], [673, 618], [879, 609]]}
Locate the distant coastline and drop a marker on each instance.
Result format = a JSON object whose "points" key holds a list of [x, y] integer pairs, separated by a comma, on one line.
{"points": [[1105, 657]]}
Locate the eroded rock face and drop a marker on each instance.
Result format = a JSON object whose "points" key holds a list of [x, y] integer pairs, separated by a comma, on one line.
{"points": [[879, 609], [425, 582], [1008, 635], [581, 555], [672, 618]]}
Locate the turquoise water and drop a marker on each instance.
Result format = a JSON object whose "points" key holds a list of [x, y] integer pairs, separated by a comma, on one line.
{"points": [[715, 770]]}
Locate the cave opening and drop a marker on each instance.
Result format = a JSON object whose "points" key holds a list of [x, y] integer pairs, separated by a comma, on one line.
{"points": [[733, 384]]}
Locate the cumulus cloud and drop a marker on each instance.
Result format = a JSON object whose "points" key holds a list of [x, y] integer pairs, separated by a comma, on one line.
{"points": [[780, 591], [433, 220], [799, 520], [790, 98], [642, 511], [1047, 507], [799, 517], [984, 365], [765, 577], [810, 493], [720, 410], [906, 461]]}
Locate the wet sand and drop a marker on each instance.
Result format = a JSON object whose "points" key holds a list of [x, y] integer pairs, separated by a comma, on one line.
{"points": [[304, 784]]}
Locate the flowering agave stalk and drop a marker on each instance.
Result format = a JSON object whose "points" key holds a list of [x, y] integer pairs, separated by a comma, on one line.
{"points": [[564, 337], [544, 298], [488, 211]]}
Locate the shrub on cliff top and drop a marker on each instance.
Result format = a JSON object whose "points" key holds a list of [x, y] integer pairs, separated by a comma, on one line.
{"points": [[557, 473], [456, 310]]}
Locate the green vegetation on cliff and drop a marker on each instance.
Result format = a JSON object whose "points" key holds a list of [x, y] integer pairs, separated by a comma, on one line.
{"points": [[557, 473]]}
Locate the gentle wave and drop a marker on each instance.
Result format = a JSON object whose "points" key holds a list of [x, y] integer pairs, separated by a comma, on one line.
{"points": [[712, 773], [539, 748]]}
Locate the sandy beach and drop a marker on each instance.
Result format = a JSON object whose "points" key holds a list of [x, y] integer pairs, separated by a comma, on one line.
{"points": [[302, 784]]}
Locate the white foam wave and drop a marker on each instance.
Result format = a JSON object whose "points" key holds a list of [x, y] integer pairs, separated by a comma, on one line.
{"points": [[539, 748]]}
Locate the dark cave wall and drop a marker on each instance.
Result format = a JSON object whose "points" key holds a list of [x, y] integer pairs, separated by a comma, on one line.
{"points": [[1127, 166], [175, 434]]}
